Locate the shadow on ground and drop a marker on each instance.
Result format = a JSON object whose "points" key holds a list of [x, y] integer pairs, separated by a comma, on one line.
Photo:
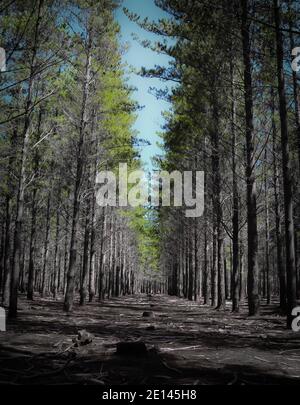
{"points": [[187, 343]]}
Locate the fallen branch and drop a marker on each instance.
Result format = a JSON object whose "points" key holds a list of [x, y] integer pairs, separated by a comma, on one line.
{"points": [[167, 349]]}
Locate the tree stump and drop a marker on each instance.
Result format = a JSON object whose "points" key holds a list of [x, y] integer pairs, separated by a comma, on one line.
{"points": [[131, 349], [148, 314], [83, 338]]}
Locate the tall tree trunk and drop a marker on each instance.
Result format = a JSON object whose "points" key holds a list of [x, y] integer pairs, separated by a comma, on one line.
{"points": [[221, 276], [7, 242], [214, 267], [36, 163], [46, 246], [235, 202], [253, 274], [101, 257], [206, 285], [242, 291], [92, 263], [23, 260], [32, 246], [286, 171], [280, 265], [110, 262], [227, 273], [190, 267], [217, 207], [85, 262], [6, 253], [2, 252], [205, 267], [197, 284], [15, 273], [56, 262], [267, 235], [69, 296]]}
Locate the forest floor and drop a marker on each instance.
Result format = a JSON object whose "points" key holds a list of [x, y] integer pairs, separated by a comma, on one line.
{"points": [[187, 343]]}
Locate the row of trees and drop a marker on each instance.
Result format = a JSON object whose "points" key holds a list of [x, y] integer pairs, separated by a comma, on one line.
{"points": [[235, 115], [65, 113]]}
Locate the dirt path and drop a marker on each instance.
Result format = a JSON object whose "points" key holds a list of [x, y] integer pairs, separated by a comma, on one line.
{"points": [[187, 343]]}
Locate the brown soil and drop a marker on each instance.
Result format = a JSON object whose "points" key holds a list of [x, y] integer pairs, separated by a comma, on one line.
{"points": [[188, 343]]}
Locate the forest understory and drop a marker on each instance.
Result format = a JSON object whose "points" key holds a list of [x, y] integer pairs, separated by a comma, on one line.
{"points": [[186, 343]]}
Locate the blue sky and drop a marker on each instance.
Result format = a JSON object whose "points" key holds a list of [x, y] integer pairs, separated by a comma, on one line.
{"points": [[149, 119]]}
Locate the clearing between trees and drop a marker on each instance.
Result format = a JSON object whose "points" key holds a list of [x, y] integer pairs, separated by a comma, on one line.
{"points": [[186, 343]]}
